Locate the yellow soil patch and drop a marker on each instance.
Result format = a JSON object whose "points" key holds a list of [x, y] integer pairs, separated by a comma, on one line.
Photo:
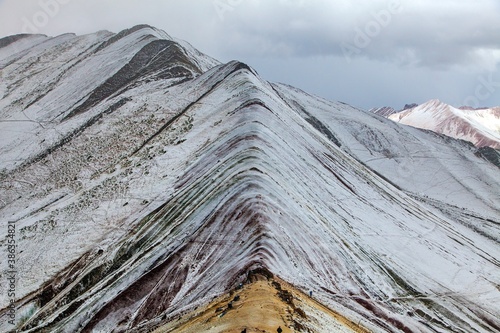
{"points": [[263, 306]]}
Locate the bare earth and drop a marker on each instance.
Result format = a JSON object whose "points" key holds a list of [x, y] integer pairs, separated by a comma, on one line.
{"points": [[263, 306]]}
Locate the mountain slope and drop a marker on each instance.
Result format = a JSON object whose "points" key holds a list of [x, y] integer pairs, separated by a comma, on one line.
{"points": [[171, 190], [481, 127], [49, 80], [384, 111]]}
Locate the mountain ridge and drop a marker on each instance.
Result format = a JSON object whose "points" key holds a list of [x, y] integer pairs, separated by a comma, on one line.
{"points": [[192, 182]]}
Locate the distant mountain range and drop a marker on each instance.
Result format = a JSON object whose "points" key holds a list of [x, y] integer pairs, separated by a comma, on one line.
{"points": [[386, 111], [479, 126]]}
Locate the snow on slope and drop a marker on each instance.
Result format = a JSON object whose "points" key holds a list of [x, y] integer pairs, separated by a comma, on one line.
{"points": [[185, 184], [434, 168], [481, 127], [67, 74], [384, 111]]}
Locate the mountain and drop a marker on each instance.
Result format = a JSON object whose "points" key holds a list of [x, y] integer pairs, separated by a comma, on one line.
{"points": [[386, 111], [151, 188], [481, 126]]}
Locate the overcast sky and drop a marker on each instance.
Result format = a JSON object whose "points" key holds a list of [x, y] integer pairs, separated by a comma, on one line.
{"points": [[365, 53]]}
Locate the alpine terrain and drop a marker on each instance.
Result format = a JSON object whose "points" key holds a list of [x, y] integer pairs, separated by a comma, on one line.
{"points": [[146, 187], [479, 126], [386, 111]]}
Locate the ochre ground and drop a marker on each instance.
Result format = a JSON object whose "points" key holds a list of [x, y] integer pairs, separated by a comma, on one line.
{"points": [[264, 306]]}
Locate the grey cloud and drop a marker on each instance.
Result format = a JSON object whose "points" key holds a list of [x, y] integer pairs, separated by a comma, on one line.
{"points": [[431, 34], [431, 49], [436, 34]]}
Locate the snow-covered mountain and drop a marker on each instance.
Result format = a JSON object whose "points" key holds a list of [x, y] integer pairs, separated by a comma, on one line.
{"points": [[146, 182], [386, 111], [481, 126]]}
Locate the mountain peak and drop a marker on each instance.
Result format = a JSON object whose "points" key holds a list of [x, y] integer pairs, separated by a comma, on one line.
{"points": [[477, 126], [6, 41], [141, 31], [435, 103], [386, 111], [410, 106]]}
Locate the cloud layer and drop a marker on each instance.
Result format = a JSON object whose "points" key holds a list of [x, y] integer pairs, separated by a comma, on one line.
{"points": [[437, 34], [455, 40]]}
